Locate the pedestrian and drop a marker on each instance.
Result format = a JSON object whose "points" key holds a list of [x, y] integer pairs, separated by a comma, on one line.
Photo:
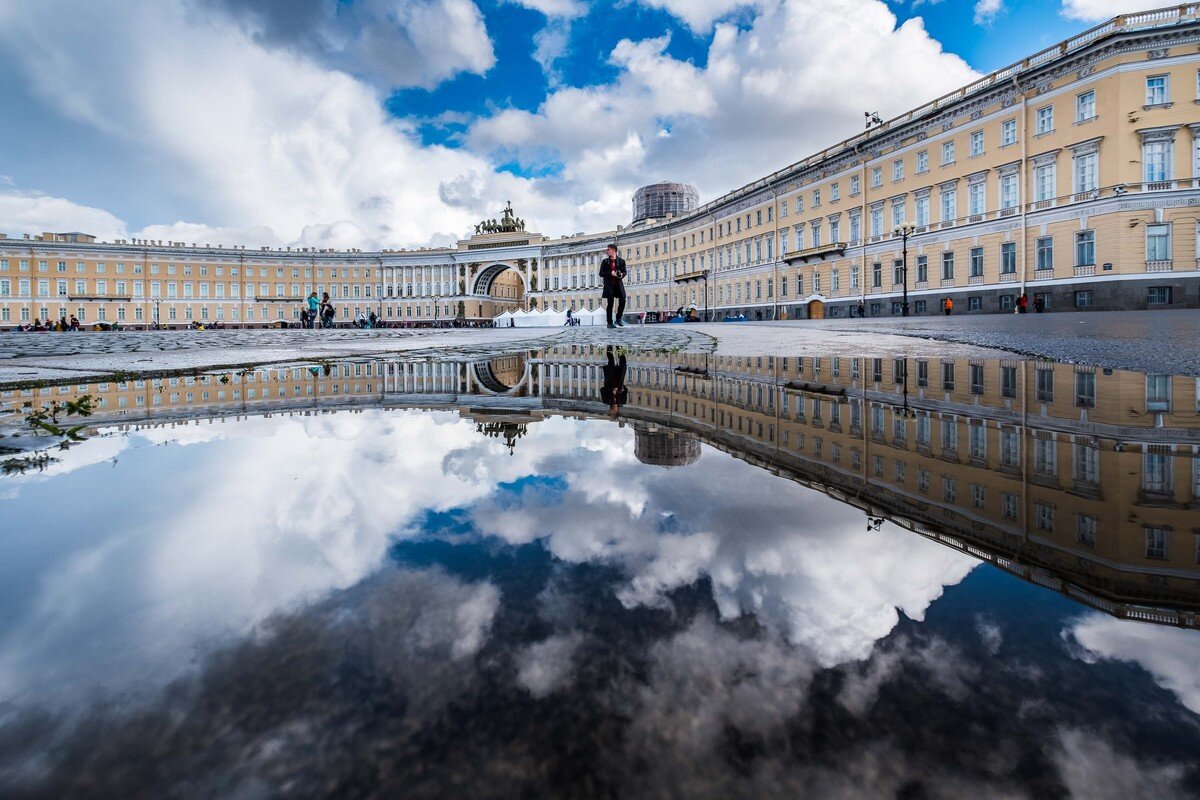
{"points": [[613, 272], [947, 306], [361, 321], [862, 310], [314, 307], [570, 317], [1022, 303], [1039, 304], [327, 312], [74, 323], [304, 317], [372, 320]]}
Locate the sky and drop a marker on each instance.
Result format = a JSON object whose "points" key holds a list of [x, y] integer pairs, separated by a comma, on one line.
{"points": [[401, 123]]}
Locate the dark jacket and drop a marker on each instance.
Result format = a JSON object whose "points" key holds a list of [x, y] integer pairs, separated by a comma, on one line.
{"points": [[613, 287], [614, 392]]}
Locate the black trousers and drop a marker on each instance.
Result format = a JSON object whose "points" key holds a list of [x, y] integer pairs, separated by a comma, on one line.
{"points": [[617, 296]]}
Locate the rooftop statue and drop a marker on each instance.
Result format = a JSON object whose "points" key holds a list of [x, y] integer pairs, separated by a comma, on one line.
{"points": [[509, 223]]}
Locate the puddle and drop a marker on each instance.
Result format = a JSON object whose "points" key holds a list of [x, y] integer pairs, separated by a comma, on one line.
{"points": [[730, 577]]}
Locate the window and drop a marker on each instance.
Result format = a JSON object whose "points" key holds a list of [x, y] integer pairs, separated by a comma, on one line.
{"points": [[974, 304], [877, 221], [1085, 389], [1083, 299], [1008, 134], [922, 161], [1158, 242], [947, 153], [1044, 516], [948, 265], [976, 198], [876, 177], [976, 262], [976, 376], [949, 205], [898, 170], [1085, 530], [977, 143], [1085, 172], [1006, 302], [922, 269], [1156, 90], [877, 274], [1045, 253], [1008, 191], [1158, 393], [835, 192], [1045, 458], [1159, 295], [1156, 542], [1008, 258], [854, 184], [922, 203], [1008, 381], [948, 376], [816, 197], [1045, 385], [897, 213], [1085, 106], [1043, 182], [1087, 464], [1085, 248], [1156, 160], [1045, 120], [1009, 501]]}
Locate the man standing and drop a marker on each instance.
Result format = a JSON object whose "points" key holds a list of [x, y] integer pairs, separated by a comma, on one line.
{"points": [[612, 271]]}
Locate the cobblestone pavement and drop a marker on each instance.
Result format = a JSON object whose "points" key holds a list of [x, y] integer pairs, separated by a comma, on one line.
{"points": [[1145, 341]]}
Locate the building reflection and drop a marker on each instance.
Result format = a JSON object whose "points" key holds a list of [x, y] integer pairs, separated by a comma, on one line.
{"points": [[1084, 481]]}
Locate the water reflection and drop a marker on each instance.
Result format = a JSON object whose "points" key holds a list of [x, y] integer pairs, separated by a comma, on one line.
{"points": [[465, 578]]}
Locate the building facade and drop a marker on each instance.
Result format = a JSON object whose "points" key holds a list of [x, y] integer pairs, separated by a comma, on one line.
{"points": [[1072, 177]]}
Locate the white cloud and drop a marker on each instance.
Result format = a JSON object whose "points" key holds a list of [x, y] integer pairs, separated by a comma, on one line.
{"points": [[1097, 10], [555, 8], [1168, 654], [699, 15], [391, 42], [793, 82], [987, 10], [262, 135], [546, 666], [1092, 768], [34, 213]]}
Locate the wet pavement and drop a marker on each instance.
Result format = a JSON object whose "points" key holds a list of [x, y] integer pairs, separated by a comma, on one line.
{"points": [[585, 571], [1150, 341]]}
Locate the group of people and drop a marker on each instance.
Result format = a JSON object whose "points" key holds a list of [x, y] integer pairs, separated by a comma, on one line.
{"points": [[320, 313], [41, 326]]}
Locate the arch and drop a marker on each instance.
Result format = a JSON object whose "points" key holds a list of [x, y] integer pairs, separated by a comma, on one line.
{"points": [[816, 309], [487, 275], [489, 381]]}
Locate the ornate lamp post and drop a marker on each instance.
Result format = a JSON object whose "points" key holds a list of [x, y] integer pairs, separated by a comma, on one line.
{"points": [[904, 231]]}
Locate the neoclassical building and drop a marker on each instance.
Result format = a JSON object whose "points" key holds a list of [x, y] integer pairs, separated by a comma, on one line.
{"points": [[1072, 177]]}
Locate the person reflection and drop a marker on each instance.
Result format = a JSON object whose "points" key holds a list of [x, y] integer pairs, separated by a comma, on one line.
{"points": [[614, 392]]}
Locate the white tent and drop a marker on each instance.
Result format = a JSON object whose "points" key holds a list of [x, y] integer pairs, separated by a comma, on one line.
{"points": [[553, 319], [502, 321], [593, 316], [522, 319]]}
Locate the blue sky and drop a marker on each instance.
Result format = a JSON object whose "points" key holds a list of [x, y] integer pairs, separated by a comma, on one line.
{"points": [[366, 123]]}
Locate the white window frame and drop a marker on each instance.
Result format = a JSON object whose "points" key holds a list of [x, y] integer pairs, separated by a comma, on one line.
{"points": [[1085, 106]]}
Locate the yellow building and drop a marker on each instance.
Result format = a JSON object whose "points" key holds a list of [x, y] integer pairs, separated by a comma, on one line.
{"points": [[1072, 177]]}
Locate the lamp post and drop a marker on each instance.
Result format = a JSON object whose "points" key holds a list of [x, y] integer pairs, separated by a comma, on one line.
{"points": [[904, 231]]}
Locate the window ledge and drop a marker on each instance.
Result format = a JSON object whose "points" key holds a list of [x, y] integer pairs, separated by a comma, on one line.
{"points": [[1151, 106], [1089, 119], [1044, 133]]}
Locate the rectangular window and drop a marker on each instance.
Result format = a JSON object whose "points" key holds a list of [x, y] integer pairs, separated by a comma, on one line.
{"points": [[948, 265], [1085, 172], [876, 177], [949, 205], [976, 262], [922, 269], [1085, 389], [1157, 90], [1085, 530], [1045, 253], [1008, 381], [1008, 258], [1045, 120], [835, 191], [1158, 242], [976, 198], [1009, 196], [922, 161], [898, 170], [1083, 299], [1156, 160], [922, 204], [1085, 248], [854, 185], [876, 275], [1085, 106], [1158, 393], [947, 153], [977, 143], [1043, 182], [1159, 295], [1156, 542], [1045, 385], [974, 304], [1008, 133]]}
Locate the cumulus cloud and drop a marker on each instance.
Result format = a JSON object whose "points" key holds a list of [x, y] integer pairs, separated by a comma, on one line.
{"points": [[391, 42], [544, 667], [33, 213], [987, 10], [1092, 767], [1169, 654], [1097, 10], [555, 8], [792, 81], [699, 15]]}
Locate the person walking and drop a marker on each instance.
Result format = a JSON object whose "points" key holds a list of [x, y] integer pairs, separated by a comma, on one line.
{"points": [[862, 310], [613, 272], [325, 311], [1022, 303], [314, 306], [947, 306]]}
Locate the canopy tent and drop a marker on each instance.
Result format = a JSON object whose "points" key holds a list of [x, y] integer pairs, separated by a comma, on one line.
{"points": [[503, 320]]}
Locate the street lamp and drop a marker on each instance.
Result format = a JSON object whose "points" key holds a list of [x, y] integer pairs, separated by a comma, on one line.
{"points": [[904, 231]]}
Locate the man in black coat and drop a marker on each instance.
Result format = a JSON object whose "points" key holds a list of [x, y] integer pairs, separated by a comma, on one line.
{"points": [[613, 272], [614, 392]]}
